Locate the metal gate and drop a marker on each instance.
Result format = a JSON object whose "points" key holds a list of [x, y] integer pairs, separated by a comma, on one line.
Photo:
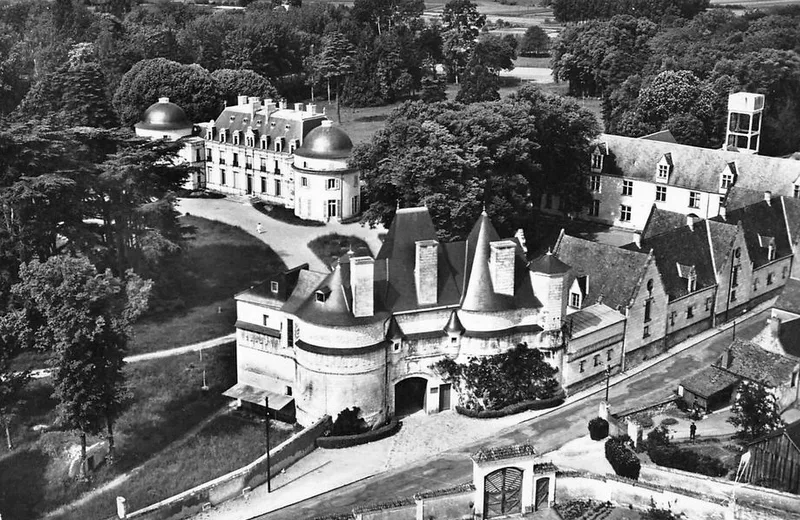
{"points": [[542, 493], [502, 492]]}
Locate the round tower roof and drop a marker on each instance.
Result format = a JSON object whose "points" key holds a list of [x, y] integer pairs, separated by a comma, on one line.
{"points": [[326, 142], [164, 115]]}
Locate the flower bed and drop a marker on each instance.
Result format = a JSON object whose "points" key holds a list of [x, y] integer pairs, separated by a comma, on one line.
{"points": [[524, 406], [345, 441]]}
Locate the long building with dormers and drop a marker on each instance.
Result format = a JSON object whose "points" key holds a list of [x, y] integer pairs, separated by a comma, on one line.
{"points": [[290, 157]]}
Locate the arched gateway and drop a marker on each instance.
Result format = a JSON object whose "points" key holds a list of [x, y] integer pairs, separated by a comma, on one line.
{"points": [[409, 395]]}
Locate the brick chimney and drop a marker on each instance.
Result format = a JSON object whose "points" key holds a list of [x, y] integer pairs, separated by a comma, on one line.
{"points": [[426, 271], [727, 358], [637, 239], [723, 212], [501, 266], [362, 283], [241, 100]]}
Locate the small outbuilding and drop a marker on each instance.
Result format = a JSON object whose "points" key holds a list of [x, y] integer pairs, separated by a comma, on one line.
{"points": [[775, 460]]}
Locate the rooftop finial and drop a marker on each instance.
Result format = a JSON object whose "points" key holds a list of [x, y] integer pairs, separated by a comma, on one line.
{"points": [[483, 212], [549, 251], [398, 204]]}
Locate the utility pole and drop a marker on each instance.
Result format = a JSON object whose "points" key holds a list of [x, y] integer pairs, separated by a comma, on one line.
{"points": [[266, 408]]}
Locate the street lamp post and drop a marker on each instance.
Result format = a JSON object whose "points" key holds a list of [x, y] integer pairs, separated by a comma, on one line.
{"points": [[608, 379], [266, 408]]}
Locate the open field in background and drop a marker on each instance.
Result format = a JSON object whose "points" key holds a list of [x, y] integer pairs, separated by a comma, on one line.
{"points": [[166, 402]]}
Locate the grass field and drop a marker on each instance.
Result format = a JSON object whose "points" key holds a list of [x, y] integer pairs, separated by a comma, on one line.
{"points": [[226, 444]]}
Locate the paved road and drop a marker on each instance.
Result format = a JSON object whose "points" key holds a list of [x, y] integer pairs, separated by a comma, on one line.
{"points": [[546, 432]]}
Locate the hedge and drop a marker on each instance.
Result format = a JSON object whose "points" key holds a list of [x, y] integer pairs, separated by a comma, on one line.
{"points": [[624, 461], [345, 441], [687, 460], [524, 406], [598, 429]]}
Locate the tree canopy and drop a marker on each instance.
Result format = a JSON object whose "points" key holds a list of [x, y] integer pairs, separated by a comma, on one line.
{"points": [[242, 82], [453, 158], [755, 411]]}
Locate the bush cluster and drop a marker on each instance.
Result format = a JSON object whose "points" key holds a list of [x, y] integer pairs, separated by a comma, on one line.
{"points": [[345, 441], [663, 453], [598, 428], [348, 422], [524, 406], [623, 460]]}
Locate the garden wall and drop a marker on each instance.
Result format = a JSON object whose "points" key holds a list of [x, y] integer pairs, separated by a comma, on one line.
{"points": [[231, 485], [455, 502]]}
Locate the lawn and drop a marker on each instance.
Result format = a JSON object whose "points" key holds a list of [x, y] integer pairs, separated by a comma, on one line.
{"points": [[330, 247], [226, 444], [166, 401], [220, 261]]}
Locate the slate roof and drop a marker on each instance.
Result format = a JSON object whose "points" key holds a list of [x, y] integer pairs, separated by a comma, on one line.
{"points": [[722, 234], [789, 300], [709, 381], [479, 294], [593, 318], [504, 452], [277, 123], [682, 249], [548, 264], [307, 283], [699, 168], [739, 197], [791, 208], [765, 220], [748, 360], [262, 292], [789, 336], [614, 274], [661, 221]]}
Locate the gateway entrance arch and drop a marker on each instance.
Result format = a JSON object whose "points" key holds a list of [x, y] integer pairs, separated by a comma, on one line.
{"points": [[409, 395]]}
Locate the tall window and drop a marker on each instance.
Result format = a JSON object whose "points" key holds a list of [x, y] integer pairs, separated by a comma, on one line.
{"points": [[594, 183], [661, 193], [735, 276], [236, 159], [354, 205], [663, 171], [769, 278], [209, 155], [277, 187], [796, 192], [597, 161], [625, 213], [332, 184], [689, 312], [694, 199], [304, 182], [627, 187], [596, 359], [222, 176], [648, 307], [594, 208], [263, 165], [727, 180], [575, 300], [692, 283], [333, 208]]}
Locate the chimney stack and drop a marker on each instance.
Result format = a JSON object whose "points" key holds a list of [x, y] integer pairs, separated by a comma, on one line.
{"points": [[426, 271], [520, 236], [311, 109], [727, 359], [501, 266], [241, 100], [269, 104], [691, 220], [723, 212], [298, 107], [362, 282], [774, 326], [768, 198], [282, 104], [637, 239]]}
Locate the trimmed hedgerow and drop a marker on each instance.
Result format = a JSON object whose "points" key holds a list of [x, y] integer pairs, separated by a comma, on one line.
{"points": [[622, 459], [539, 404], [345, 441], [598, 429]]}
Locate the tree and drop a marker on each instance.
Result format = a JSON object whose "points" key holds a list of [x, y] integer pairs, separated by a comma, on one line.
{"points": [[535, 42], [755, 411], [478, 84], [242, 82], [189, 86], [384, 15], [83, 316], [335, 62], [12, 380], [433, 89], [461, 25]]}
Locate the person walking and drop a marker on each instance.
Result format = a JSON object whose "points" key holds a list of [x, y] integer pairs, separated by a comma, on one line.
{"points": [[259, 228], [692, 431]]}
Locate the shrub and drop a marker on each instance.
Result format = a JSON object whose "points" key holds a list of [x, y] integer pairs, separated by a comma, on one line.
{"points": [[623, 460], [669, 421], [524, 406], [598, 428], [349, 423], [687, 460], [345, 441]]}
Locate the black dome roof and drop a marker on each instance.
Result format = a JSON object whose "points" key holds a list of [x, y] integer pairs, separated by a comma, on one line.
{"points": [[164, 115], [326, 142]]}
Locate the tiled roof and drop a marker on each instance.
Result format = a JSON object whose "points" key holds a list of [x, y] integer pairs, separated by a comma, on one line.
{"points": [[262, 293], [548, 264], [750, 361], [504, 452], [682, 253], [613, 273], [709, 381], [739, 197], [593, 318], [699, 168], [765, 220], [307, 283]]}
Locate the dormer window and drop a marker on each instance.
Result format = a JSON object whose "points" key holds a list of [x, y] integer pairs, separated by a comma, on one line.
{"points": [[771, 252], [210, 134], [597, 161], [222, 135], [233, 118], [236, 138], [273, 287], [664, 168], [689, 273], [322, 294], [727, 180], [575, 300], [263, 143]]}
